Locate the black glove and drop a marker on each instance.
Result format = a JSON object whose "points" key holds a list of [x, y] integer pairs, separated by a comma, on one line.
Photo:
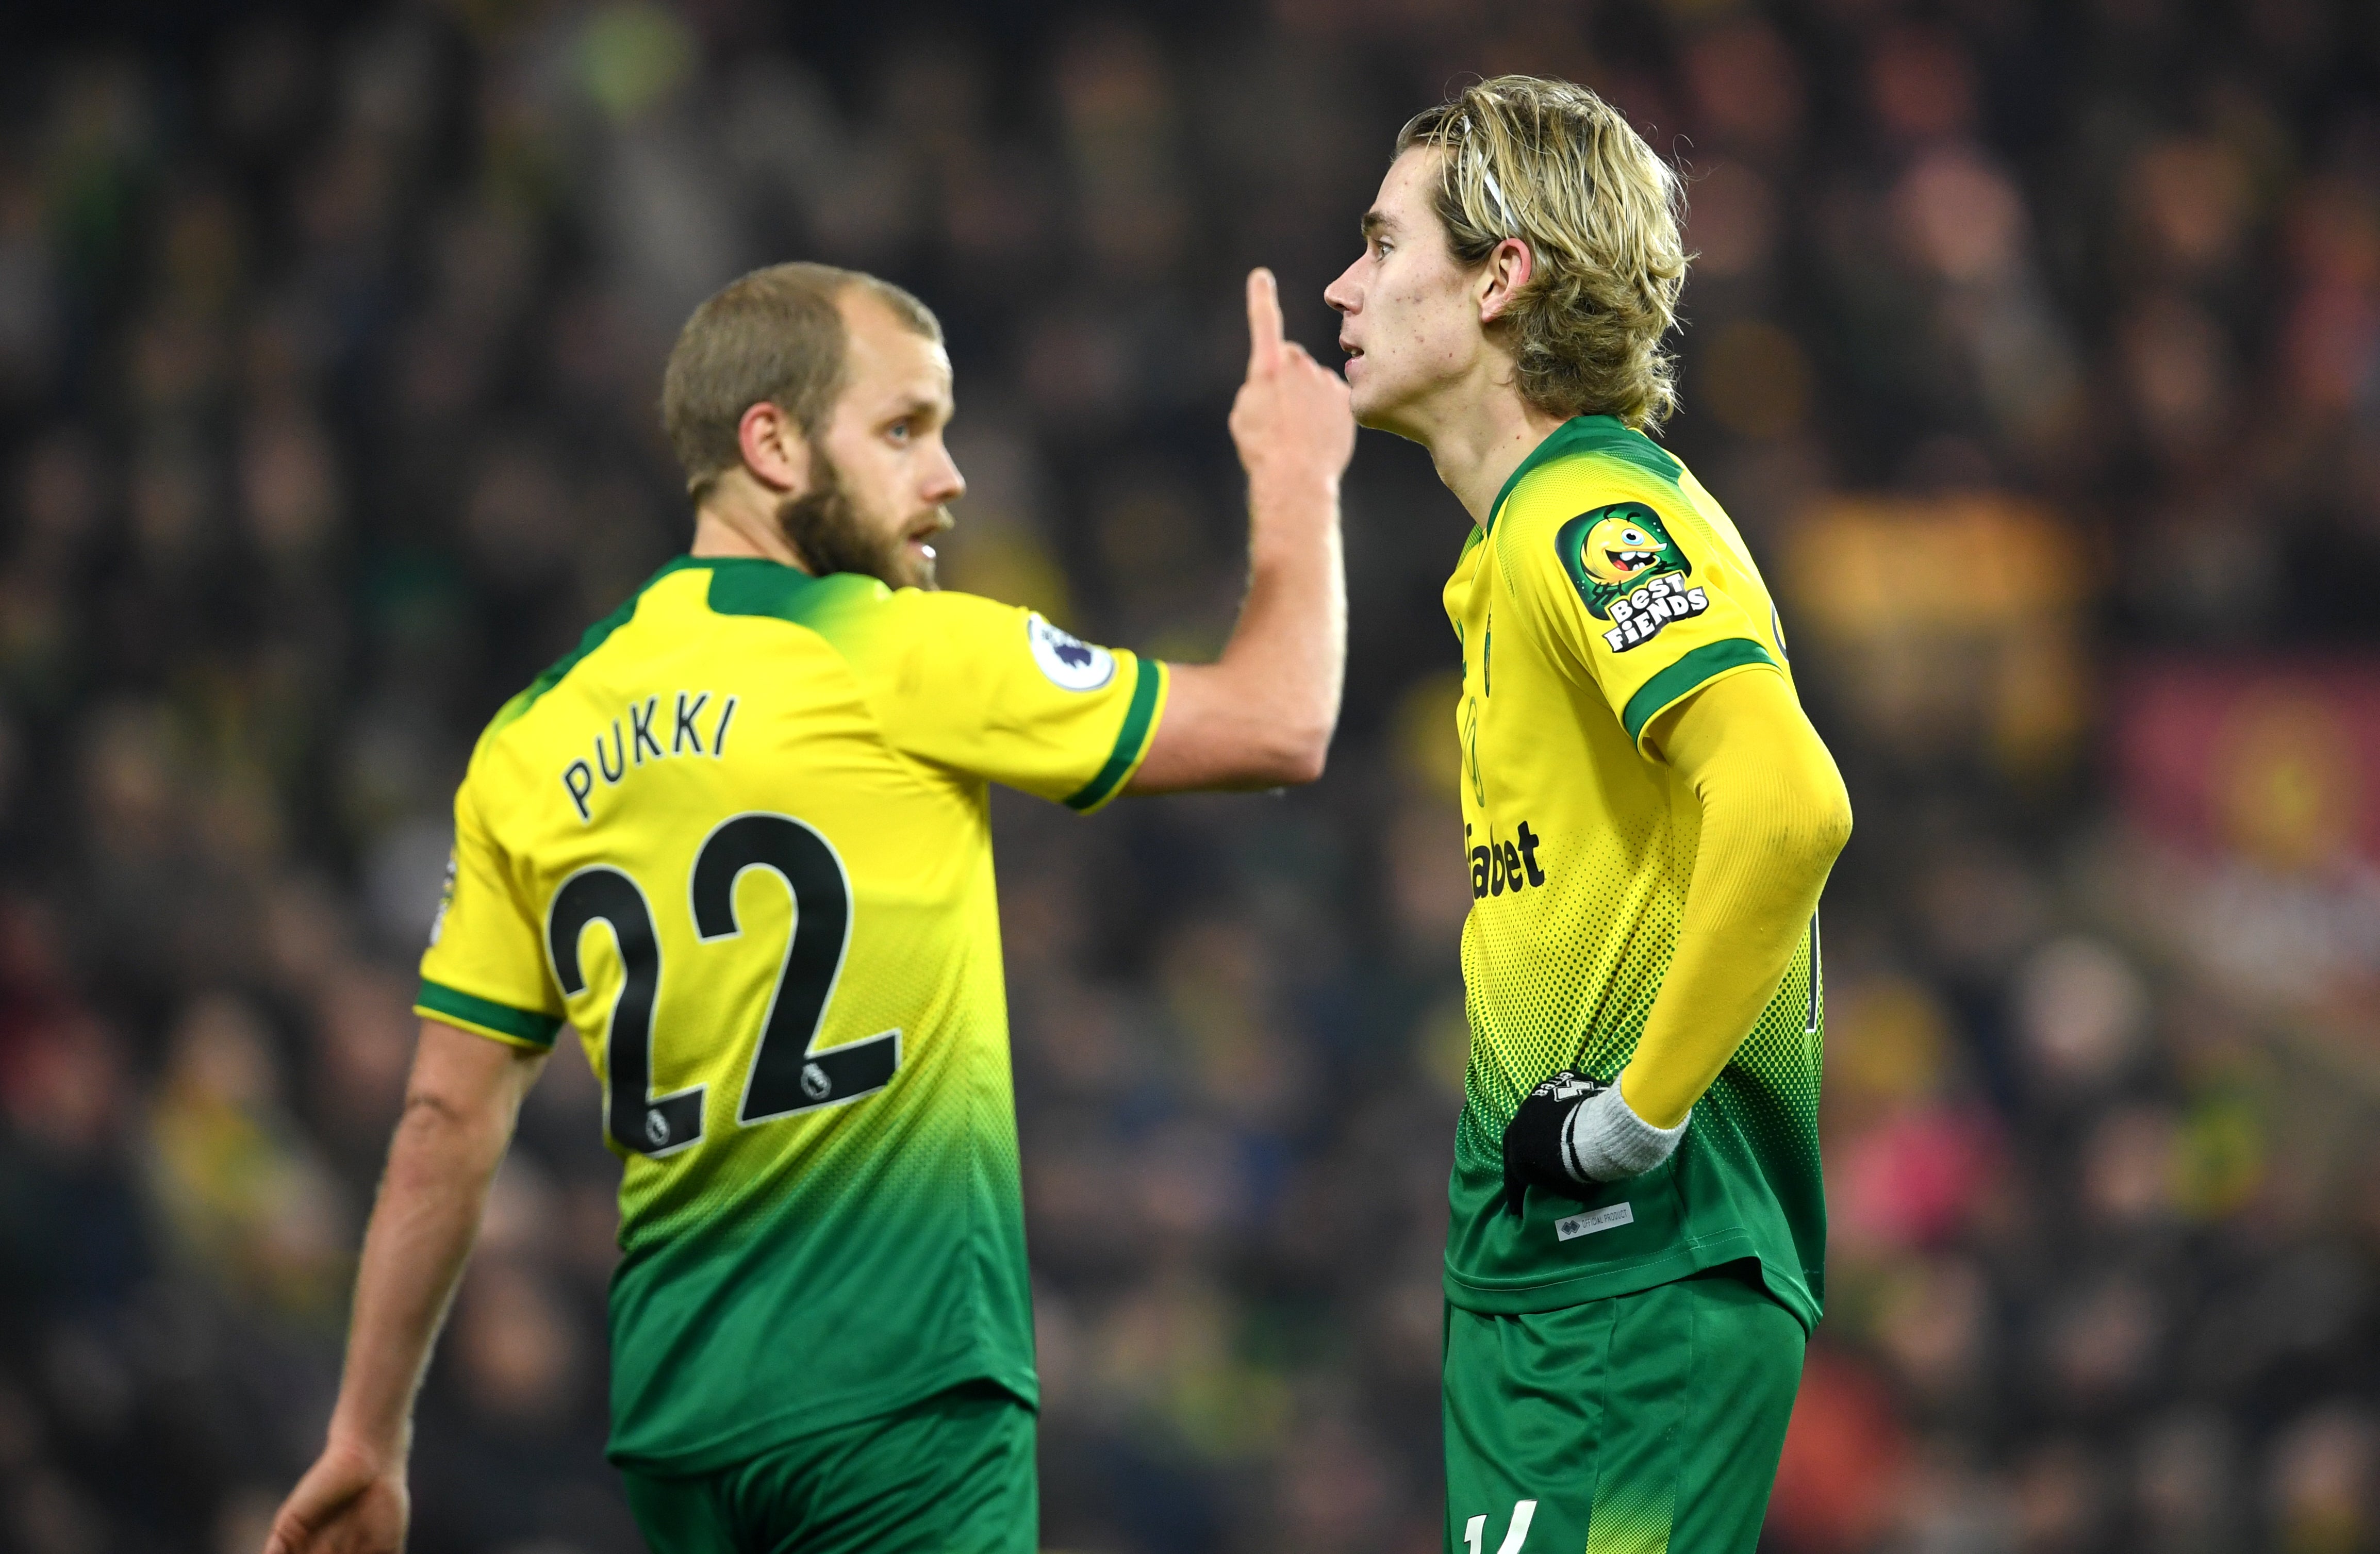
{"points": [[1532, 1140]]}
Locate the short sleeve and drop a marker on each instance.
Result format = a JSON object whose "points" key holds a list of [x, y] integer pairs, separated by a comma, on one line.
{"points": [[1631, 595], [485, 968], [1000, 692]]}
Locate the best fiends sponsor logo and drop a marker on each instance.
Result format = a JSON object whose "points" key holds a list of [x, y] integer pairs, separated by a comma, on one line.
{"points": [[1629, 571], [1638, 618], [1497, 867]]}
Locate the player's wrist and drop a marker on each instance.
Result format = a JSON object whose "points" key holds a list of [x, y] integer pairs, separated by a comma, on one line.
{"points": [[1646, 1100], [1605, 1141], [1288, 521], [1291, 496], [380, 1451]]}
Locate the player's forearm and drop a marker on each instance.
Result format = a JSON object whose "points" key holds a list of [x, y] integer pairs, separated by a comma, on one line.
{"points": [[1726, 967], [1774, 816], [445, 1153], [1287, 658]]}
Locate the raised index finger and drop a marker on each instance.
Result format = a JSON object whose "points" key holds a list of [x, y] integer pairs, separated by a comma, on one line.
{"points": [[1264, 320]]}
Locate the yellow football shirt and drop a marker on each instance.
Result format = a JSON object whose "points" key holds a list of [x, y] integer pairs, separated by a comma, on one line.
{"points": [[739, 840], [1607, 586]]}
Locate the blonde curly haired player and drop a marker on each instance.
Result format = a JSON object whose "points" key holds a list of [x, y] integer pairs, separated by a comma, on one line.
{"points": [[1599, 213], [1637, 1247]]}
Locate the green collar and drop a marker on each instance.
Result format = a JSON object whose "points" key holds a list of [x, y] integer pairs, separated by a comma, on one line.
{"points": [[754, 567], [751, 565], [1582, 434], [739, 586]]}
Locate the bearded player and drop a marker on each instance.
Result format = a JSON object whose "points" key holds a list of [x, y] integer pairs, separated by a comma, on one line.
{"points": [[739, 841], [1638, 1235]]}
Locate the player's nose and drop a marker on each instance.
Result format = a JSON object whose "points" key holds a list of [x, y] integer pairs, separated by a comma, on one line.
{"points": [[1343, 295], [943, 482]]}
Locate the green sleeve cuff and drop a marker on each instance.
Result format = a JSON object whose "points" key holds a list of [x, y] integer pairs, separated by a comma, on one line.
{"points": [[1686, 676], [1132, 740], [523, 1027]]}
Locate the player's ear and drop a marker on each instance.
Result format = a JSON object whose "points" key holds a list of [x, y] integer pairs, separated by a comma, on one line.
{"points": [[774, 448], [1500, 279]]}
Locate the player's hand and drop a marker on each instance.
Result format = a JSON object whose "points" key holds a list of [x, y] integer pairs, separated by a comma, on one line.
{"points": [[346, 1504], [1292, 421], [1533, 1139], [1574, 1132]]}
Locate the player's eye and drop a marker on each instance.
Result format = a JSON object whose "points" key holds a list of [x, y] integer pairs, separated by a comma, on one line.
{"points": [[899, 432]]}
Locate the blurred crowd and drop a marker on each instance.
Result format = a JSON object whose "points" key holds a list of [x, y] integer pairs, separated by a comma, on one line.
{"points": [[2034, 347]]}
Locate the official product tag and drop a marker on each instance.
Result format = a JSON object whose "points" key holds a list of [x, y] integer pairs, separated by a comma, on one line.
{"points": [[1594, 1220]]}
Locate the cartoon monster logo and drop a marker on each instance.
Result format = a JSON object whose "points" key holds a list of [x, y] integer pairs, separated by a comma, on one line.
{"points": [[1629, 571], [1611, 551]]}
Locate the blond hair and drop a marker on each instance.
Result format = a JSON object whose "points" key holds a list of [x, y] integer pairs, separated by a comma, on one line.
{"points": [[1560, 169], [775, 335]]}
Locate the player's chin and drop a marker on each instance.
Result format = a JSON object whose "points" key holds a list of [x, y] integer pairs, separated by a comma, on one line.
{"points": [[1371, 407]]}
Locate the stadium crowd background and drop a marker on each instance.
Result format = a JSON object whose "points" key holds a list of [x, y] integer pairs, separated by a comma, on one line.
{"points": [[2035, 347]]}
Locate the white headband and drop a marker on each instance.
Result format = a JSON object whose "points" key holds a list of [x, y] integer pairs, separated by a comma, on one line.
{"points": [[1511, 227], [1495, 189]]}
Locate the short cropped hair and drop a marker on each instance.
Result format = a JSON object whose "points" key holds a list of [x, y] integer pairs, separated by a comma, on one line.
{"points": [[1560, 169], [774, 336]]}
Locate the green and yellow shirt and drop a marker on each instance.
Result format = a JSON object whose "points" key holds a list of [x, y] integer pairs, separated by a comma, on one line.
{"points": [[739, 840], [1606, 586]]}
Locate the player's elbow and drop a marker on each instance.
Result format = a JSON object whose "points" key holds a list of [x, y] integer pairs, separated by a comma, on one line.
{"points": [[1814, 823], [1304, 768], [1276, 757], [1298, 755], [1838, 832], [437, 1126], [1831, 831]]}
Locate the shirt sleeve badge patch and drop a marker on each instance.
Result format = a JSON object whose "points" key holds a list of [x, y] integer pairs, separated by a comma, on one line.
{"points": [[1070, 662], [1629, 571]]}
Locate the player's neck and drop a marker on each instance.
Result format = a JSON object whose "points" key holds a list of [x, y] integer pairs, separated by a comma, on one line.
{"points": [[1478, 445], [736, 519]]}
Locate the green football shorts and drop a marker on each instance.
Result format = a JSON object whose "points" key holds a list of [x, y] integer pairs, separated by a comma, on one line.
{"points": [[952, 1474], [1644, 1423]]}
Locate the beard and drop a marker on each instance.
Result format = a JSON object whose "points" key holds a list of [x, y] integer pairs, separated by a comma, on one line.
{"points": [[829, 532]]}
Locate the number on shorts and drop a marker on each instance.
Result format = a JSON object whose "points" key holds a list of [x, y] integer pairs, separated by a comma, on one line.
{"points": [[1524, 1512]]}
